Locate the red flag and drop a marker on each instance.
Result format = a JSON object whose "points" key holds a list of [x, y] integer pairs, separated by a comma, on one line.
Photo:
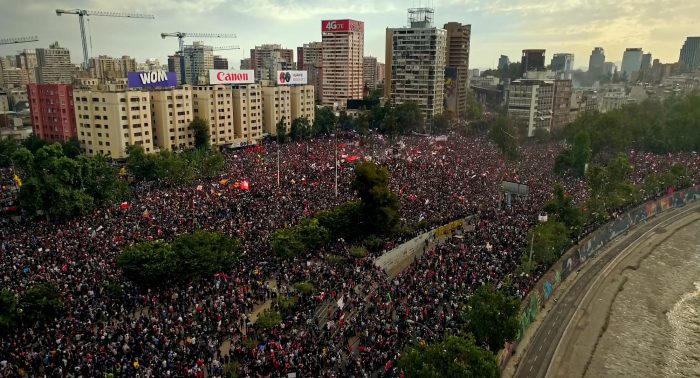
{"points": [[245, 185], [352, 158], [124, 205]]}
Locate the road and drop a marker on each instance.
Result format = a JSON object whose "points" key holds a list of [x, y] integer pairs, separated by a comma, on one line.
{"points": [[540, 355]]}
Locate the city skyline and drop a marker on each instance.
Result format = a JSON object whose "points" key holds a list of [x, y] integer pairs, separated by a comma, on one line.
{"points": [[498, 27]]}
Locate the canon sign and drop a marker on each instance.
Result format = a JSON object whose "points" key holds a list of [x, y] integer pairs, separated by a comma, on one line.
{"points": [[231, 77], [291, 77], [342, 26]]}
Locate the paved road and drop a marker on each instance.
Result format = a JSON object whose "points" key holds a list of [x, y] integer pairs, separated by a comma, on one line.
{"points": [[542, 347]]}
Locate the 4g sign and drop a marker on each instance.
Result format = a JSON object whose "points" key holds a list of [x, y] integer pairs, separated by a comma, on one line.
{"points": [[331, 26]]}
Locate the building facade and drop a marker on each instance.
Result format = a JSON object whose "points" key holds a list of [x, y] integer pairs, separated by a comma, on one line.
{"points": [[596, 62], [302, 102], [690, 53], [631, 63], [561, 104], [503, 63], [220, 63], [105, 67], [171, 115], [342, 61], [276, 103], [415, 64], [369, 67], [247, 112], [109, 122], [563, 62], [267, 59], [530, 103], [457, 58], [245, 64], [532, 60], [54, 65], [13, 77], [52, 111], [26, 60], [309, 59], [199, 59]]}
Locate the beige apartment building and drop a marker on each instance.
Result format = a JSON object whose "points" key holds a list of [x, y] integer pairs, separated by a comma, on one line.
{"points": [[342, 61], [247, 113], [109, 122], [276, 104], [302, 101], [214, 104], [171, 112]]}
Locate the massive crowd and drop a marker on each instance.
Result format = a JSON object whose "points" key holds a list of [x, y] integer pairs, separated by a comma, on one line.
{"points": [[356, 322]]}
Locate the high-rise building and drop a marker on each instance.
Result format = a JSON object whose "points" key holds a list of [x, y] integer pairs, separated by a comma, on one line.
{"points": [[380, 74], [171, 115], [309, 59], [563, 62], [105, 67], [503, 62], [245, 64], [52, 111], [214, 105], [631, 63], [13, 77], [276, 103], [26, 60], [532, 60], [267, 59], [609, 68], [596, 61], [690, 53], [369, 67], [247, 112], [530, 103], [109, 122], [199, 59], [174, 65], [561, 104], [220, 63], [302, 101], [646, 62], [151, 64], [342, 64], [415, 63], [54, 66], [457, 58]]}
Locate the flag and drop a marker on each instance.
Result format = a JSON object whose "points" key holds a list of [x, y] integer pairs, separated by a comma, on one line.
{"points": [[124, 205], [200, 188], [223, 181], [18, 181], [352, 158], [245, 185], [388, 297], [146, 214]]}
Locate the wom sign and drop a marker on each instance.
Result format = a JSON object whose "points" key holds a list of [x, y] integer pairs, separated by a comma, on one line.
{"points": [[152, 79]]}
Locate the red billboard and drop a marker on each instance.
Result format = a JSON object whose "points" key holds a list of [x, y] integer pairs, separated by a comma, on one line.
{"points": [[334, 26]]}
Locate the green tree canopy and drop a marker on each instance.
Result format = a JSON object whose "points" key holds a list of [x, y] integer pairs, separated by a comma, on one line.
{"points": [[325, 121], [200, 131], [561, 207], [281, 130], [547, 241], [503, 133], [454, 357], [492, 317], [42, 302], [379, 205], [301, 129]]}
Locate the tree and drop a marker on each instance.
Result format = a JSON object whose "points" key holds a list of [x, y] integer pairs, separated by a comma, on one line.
{"points": [[547, 241], [301, 129], [409, 118], [71, 148], [454, 357], [474, 110], [200, 131], [492, 317], [325, 121], [379, 205], [440, 123], [281, 130], [344, 221], [268, 319], [9, 316], [503, 133], [562, 209], [41, 302], [300, 239], [577, 157]]}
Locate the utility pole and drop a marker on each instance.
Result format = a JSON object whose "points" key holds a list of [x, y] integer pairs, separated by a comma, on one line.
{"points": [[532, 243], [336, 160], [278, 159]]}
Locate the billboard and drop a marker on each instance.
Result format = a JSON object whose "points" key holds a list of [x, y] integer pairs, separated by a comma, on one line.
{"points": [[151, 79], [334, 26], [451, 92], [291, 77], [231, 76]]}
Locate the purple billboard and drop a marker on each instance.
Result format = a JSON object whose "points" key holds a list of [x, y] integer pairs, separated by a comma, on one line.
{"points": [[152, 79]]}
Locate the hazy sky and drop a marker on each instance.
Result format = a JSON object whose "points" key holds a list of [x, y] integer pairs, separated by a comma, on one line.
{"points": [[498, 26]]}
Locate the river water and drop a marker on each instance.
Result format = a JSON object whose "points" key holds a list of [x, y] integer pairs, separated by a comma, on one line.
{"points": [[654, 324]]}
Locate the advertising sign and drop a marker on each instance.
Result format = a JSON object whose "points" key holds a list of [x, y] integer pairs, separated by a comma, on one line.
{"points": [[231, 77], [332, 26], [291, 77], [152, 79], [451, 91]]}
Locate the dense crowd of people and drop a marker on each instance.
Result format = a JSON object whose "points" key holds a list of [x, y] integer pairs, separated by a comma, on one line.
{"points": [[357, 320]]}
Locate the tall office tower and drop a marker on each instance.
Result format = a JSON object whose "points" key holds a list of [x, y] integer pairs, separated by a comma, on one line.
{"points": [[105, 67], [563, 62], [646, 62], [631, 62], [171, 115], [267, 59], [220, 63], [609, 68], [52, 111], [342, 64], [309, 59], [26, 60], [690, 53], [199, 59], [457, 58], [175, 65], [54, 66], [503, 62], [245, 64], [369, 68], [532, 60], [596, 62], [530, 103], [415, 63]]}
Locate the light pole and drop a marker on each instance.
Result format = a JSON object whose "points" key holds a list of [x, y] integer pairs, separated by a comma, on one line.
{"points": [[336, 155]]}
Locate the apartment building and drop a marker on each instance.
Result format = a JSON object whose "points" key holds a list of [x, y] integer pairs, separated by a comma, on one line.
{"points": [[52, 111], [276, 104], [342, 59], [530, 103], [247, 113], [214, 104], [302, 102], [171, 115]]}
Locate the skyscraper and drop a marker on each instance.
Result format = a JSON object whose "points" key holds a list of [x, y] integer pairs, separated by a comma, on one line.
{"points": [[26, 60], [457, 57], [690, 53], [563, 62], [631, 62], [220, 63], [267, 59], [415, 63], [369, 68], [596, 61], [54, 66], [309, 57], [532, 60], [106, 67], [199, 59], [343, 49], [503, 62]]}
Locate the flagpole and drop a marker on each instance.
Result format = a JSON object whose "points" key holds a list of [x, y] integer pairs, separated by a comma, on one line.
{"points": [[336, 160], [278, 160]]}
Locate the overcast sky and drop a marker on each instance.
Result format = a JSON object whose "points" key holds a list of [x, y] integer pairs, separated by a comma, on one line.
{"points": [[498, 26]]}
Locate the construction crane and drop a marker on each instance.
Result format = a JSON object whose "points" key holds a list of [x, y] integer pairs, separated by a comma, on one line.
{"points": [[82, 13], [225, 48], [9, 41], [181, 47]]}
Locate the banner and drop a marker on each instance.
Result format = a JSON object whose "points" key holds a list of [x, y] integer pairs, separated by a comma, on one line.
{"points": [[231, 76], [292, 77], [152, 79]]}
